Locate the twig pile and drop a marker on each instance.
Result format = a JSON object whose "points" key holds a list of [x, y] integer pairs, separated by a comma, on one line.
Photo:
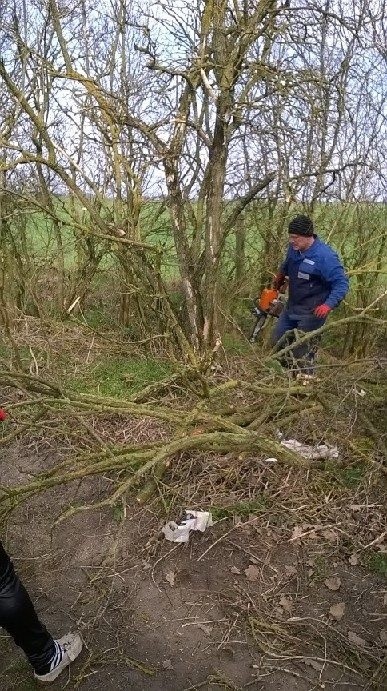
{"points": [[231, 417]]}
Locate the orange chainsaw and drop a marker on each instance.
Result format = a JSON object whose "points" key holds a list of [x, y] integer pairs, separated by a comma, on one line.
{"points": [[269, 303]]}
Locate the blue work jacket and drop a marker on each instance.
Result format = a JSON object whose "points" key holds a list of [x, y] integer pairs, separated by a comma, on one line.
{"points": [[316, 277]]}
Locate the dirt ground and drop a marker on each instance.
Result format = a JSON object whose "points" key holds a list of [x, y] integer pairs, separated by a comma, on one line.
{"points": [[246, 605]]}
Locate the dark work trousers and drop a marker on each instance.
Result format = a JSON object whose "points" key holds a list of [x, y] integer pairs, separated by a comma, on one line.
{"points": [[18, 617], [300, 357]]}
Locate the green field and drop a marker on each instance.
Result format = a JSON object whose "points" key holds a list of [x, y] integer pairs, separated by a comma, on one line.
{"points": [[342, 225], [54, 259]]}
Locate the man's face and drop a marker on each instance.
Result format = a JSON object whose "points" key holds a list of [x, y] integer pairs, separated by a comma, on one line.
{"points": [[300, 242]]}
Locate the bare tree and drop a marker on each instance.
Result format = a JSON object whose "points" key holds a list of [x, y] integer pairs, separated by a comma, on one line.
{"points": [[220, 105]]}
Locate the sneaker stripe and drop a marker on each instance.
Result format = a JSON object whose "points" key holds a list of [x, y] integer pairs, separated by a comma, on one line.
{"points": [[57, 657]]}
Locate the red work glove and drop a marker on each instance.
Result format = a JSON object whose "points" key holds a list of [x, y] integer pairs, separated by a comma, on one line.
{"points": [[279, 280], [3, 415], [322, 311]]}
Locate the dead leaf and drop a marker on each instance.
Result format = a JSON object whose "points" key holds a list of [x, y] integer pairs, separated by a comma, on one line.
{"points": [[333, 583], [170, 578], [313, 663], [290, 571], [286, 604], [357, 640], [353, 560], [234, 569], [297, 532], [383, 636], [337, 611], [167, 664], [206, 629], [252, 573], [329, 535]]}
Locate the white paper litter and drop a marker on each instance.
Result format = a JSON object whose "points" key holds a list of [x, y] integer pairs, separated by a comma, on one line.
{"points": [[195, 520], [311, 452]]}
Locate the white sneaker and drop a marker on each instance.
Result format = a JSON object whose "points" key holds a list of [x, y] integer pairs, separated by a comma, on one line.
{"points": [[71, 646]]}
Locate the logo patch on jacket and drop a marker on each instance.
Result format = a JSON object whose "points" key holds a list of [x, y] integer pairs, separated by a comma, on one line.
{"points": [[302, 275]]}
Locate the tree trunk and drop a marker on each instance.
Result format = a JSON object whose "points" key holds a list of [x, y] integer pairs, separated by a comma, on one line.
{"points": [[240, 249]]}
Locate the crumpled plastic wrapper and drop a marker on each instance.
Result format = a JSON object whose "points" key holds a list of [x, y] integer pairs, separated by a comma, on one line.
{"points": [[195, 520], [311, 452]]}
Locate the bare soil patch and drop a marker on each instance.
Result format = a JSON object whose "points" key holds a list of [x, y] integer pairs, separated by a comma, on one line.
{"points": [[246, 605]]}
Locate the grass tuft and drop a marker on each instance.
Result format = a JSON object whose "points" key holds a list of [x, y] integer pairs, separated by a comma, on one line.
{"points": [[377, 563], [120, 376], [244, 509]]}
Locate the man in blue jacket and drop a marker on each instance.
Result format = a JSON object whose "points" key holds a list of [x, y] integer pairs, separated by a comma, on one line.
{"points": [[317, 284]]}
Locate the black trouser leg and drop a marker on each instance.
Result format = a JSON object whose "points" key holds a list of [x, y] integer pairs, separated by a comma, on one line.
{"points": [[18, 617]]}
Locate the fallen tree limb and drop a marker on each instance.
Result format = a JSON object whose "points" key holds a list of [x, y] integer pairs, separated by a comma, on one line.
{"points": [[235, 417], [140, 461], [276, 355]]}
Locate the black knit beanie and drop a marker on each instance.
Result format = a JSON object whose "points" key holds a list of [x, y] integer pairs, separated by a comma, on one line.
{"points": [[301, 225]]}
